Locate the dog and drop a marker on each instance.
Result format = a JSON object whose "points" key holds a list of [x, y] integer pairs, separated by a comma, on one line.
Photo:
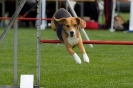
{"points": [[67, 30]]}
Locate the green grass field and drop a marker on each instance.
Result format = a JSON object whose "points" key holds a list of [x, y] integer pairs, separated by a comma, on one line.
{"points": [[111, 66]]}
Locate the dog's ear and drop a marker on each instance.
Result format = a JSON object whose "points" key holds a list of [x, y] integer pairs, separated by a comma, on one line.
{"points": [[61, 20], [81, 22]]}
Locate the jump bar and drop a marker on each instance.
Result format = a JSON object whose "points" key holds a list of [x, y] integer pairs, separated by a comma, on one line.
{"points": [[94, 42]]}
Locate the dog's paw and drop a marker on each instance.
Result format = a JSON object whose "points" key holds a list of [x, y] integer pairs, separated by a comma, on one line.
{"points": [[76, 58], [86, 58]]}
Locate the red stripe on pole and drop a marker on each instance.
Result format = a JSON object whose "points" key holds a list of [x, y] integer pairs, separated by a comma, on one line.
{"points": [[94, 42], [7, 18]]}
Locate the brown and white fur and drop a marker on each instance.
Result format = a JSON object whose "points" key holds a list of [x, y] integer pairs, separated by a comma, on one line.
{"points": [[67, 29]]}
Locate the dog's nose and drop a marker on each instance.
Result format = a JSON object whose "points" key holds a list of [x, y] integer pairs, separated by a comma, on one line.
{"points": [[71, 32]]}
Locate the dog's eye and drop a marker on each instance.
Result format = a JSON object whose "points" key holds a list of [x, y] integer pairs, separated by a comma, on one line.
{"points": [[67, 26], [75, 25]]}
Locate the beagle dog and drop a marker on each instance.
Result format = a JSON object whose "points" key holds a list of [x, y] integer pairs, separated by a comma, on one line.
{"points": [[67, 29]]}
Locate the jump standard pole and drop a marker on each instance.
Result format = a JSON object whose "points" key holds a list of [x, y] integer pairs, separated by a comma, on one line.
{"points": [[38, 42]]}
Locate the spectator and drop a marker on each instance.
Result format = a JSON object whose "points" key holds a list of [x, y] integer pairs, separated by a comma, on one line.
{"points": [[108, 6], [10, 12], [90, 15], [10, 6], [29, 6], [90, 10], [29, 11], [50, 9]]}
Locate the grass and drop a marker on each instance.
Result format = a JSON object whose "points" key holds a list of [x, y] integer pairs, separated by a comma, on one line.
{"points": [[110, 65]]}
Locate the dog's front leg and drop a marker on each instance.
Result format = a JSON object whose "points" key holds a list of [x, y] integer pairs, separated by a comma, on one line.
{"points": [[70, 50], [75, 56], [82, 49]]}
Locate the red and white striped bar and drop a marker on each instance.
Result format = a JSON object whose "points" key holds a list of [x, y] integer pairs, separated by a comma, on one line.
{"points": [[94, 42], [7, 18]]}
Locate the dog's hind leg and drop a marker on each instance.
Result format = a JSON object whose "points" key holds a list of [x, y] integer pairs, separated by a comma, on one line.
{"points": [[53, 24]]}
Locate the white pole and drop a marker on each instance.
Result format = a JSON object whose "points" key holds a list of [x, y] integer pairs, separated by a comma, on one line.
{"points": [[38, 41], [83, 31], [131, 17], [113, 14], [44, 22]]}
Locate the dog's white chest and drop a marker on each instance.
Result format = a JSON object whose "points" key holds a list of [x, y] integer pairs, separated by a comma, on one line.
{"points": [[73, 40]]}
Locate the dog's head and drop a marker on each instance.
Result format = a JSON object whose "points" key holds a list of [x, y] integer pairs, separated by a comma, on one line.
{"points": [[71, 24]]}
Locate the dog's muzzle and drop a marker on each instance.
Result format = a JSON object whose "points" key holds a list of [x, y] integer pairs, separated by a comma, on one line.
{"points": [[71, 33]]}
